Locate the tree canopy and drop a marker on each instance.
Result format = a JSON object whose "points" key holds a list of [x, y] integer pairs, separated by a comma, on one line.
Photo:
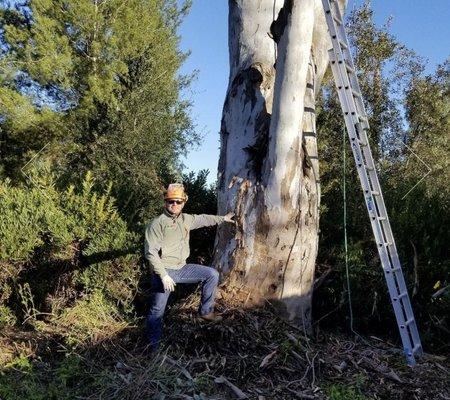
{"points": [[94, 85]]}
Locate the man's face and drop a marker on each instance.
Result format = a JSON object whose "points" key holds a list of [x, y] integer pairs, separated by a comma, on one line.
{"points": [[174, 206]]}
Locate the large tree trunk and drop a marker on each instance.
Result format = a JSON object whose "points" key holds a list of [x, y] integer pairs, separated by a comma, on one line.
{"points": [[268, 168]]}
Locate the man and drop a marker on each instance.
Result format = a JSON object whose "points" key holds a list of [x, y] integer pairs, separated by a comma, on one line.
{"points": [[166, 249]]}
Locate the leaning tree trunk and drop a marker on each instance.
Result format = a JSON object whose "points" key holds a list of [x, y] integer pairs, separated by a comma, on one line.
{"points": [[268, 167]]}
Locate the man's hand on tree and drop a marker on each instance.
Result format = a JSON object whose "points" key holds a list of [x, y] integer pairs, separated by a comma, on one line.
{"points": [[168, 283], [229, 217]]}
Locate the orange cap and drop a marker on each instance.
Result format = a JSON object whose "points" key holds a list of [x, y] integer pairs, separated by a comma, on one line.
{"points": [[175, 191]]}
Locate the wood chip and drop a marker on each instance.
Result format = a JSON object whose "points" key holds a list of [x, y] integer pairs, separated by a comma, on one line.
{"points": [[267, 359], [341, 367]]}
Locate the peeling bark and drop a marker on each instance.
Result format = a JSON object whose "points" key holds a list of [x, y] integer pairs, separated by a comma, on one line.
{"points": [[268, 167]]}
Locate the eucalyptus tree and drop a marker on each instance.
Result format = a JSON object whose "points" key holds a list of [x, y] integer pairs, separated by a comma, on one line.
{"points": [[268, 167]]}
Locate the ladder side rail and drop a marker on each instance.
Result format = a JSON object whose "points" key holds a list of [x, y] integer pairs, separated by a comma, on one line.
{"points": [[340, 53], [399, 311], [402, 287], [340, 32], [402, 313], [349, 107], [362, 172], [369, 181], [353, 81], [392, 249], [406, 304], [400, 284]]}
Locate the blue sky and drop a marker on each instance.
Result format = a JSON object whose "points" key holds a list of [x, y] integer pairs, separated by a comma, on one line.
{"points": [[421, 25]]}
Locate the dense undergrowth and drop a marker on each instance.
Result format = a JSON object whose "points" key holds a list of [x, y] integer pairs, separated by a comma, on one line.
{"points": [[73, 302], [66, 263]]}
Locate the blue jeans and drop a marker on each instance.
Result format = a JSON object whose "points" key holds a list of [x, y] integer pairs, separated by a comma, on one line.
{"points": [[190, 273]]}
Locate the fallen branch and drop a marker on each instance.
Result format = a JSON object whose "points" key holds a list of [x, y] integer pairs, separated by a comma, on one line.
{"points": [[386, 371], [238, 392], [183, 370]]}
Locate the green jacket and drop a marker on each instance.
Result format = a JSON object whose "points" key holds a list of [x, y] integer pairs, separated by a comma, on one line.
{"points": [[167, 239]]}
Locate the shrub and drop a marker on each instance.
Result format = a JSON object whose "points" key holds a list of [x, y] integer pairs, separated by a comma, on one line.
{"points": [[66, 253]]}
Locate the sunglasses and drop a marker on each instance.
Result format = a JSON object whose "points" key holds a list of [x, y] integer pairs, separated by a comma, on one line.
{"points": [[174, 202]]}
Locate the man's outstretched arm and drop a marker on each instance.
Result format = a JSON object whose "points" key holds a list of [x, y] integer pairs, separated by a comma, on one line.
{"points": [[201, 220]]}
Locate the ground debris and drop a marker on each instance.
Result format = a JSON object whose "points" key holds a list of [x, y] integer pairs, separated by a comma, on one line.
{"points": [[251, 354], [267, 358]]}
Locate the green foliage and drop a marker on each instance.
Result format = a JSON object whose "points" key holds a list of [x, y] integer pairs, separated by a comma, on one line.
{"points": [[68, 372], [32, 216], [391, 81], [26, 216], [69, 238], [428, 115], [95, 86], [24, 379], [27, 387], [202, 200], [82, 375], [348, 392], [7, 317], [341, 392], [385, 69]]}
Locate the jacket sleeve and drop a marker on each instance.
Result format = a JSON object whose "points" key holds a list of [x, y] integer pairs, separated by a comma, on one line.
{"points": [[202, 220], [153, 243]]}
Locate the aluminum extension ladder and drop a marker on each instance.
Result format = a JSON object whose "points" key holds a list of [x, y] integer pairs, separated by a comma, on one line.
{"points": [[357, 124]]}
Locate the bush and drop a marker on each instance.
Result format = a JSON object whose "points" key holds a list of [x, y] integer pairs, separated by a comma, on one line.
{"points": [[66, 256]]}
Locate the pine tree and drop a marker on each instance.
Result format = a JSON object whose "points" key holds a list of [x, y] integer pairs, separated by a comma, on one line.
{"points": [[97, 84]]}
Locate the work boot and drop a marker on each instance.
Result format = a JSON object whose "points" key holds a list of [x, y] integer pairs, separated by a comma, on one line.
{"points": [[211, 317]]}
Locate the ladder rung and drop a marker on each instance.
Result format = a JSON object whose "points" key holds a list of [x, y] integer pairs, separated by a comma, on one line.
{"points": [[392, 269], [370, 168], [381, 218], [375, 192], [361, 142], [407, 322], [337, 19], [361, 118], [416, 348], [349, 68], [356, 93], [364, 124], [400, 296]]}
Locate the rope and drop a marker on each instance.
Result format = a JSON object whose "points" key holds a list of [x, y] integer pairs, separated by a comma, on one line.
{"points": [[344, 194]]}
